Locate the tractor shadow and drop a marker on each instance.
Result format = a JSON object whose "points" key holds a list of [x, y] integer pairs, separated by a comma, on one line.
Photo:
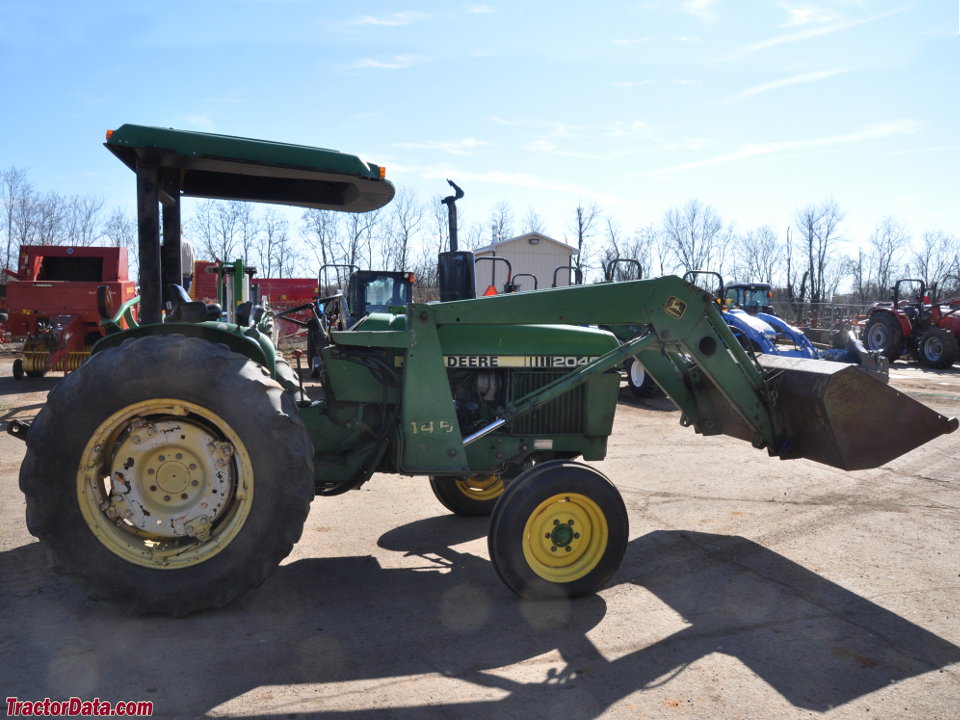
{"points": [[660, 403], [10, 386], [335, 620]]}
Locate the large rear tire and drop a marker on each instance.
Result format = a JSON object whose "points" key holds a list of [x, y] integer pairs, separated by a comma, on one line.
{"points": [[938, 348], [884, 335], [559, 530], [169, 473]]}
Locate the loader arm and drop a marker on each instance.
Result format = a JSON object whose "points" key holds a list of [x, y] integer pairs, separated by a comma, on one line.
{"points": [[828, 412]]}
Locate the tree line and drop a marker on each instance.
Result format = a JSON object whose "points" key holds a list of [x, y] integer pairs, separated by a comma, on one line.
{"points": [[804, 258]]}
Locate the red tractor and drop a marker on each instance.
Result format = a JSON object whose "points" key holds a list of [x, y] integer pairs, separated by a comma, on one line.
{"points": [[53, 303], [912, 323]]}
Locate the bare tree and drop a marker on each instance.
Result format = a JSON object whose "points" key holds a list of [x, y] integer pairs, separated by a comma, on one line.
{"points": [[354, 245], [321, 228], [582, 230], [937, 258], [817, 226], [248, 229], [272, 245], [15, 191], [760, 257], [404, 222], [217, 229], [532, 222], [857, 270], [82, 220], [889, 240], [48, 219], [427, 285], [501, 222], [442, 223], [694, 234], [121, 231]]}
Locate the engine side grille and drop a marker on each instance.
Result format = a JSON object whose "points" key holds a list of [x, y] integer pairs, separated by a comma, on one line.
{"points": [[564, 416]]}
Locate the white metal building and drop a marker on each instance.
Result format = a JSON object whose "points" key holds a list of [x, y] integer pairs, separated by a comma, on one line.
{"points": [[530, 254]]}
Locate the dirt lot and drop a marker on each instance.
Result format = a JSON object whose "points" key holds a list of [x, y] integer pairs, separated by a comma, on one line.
{"points": [[752, 588]]}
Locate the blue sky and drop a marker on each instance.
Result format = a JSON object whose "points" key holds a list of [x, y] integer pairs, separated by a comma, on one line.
{"points": [[756, 108]]}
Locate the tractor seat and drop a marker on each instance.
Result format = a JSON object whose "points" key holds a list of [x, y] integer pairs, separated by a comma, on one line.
{"points": [[180, 308]]}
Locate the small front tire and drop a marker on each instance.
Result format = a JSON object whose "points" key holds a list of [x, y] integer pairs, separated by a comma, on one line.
{"points": [[559, 530], [938, 348]]}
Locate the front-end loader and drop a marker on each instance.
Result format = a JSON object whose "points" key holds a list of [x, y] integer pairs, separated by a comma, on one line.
{"points": [[175, 468]]}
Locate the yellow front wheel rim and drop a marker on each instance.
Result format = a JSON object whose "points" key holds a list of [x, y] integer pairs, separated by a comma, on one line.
{"points": [[165, 483], [565, 537]]}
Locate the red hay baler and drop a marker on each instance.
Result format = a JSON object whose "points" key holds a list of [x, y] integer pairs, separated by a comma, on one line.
{"points": [[52, 299]]}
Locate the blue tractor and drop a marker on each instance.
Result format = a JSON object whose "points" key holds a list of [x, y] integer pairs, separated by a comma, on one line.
{"points": [[748, 311]]}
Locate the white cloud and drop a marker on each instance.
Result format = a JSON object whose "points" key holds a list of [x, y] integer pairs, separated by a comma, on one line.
{"points": [[896, 127], [808, 34], [397, 62], [702, 9], [809, 15], [397, 19], [782, 83], [508, 123], [453, 147], [548, 148]]}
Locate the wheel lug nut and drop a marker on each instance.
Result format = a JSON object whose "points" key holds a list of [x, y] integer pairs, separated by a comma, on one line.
{"points": [[161, 458], [153, 488], [576, 536], [178, 456], [553, 549], [568, 548], [183, 496], [166, 498], [570, 523], [151, 471], [556, 522], [547, 535], [193, 466], [194, 483]]}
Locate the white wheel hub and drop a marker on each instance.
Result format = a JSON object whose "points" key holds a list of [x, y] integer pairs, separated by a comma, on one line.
{"points": [[170, 479]]}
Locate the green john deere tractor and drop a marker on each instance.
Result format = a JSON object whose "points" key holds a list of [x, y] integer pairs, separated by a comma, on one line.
{"points": [[175, 468]]}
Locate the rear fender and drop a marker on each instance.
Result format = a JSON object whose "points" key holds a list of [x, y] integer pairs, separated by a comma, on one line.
{"points": [[248, 342]]}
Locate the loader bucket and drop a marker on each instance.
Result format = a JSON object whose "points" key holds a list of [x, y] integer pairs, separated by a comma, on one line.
{"points": [[840, 415]]}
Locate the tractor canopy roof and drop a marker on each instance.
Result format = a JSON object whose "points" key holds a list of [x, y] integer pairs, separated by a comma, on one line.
{"points": [[234, 168]]}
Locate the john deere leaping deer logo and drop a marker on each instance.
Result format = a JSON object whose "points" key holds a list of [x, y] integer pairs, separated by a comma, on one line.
{"points": [[675, 307]]}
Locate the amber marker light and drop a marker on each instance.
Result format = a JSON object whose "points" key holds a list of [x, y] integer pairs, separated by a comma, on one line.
{"points": [[109, 135], [383, 173]]}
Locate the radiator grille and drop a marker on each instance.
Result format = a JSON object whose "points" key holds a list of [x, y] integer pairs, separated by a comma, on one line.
{"points": [[564, 416]]}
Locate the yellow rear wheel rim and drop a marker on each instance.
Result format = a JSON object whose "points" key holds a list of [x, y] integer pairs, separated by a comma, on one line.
{"points": [[565, 537], [165, 483]]}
